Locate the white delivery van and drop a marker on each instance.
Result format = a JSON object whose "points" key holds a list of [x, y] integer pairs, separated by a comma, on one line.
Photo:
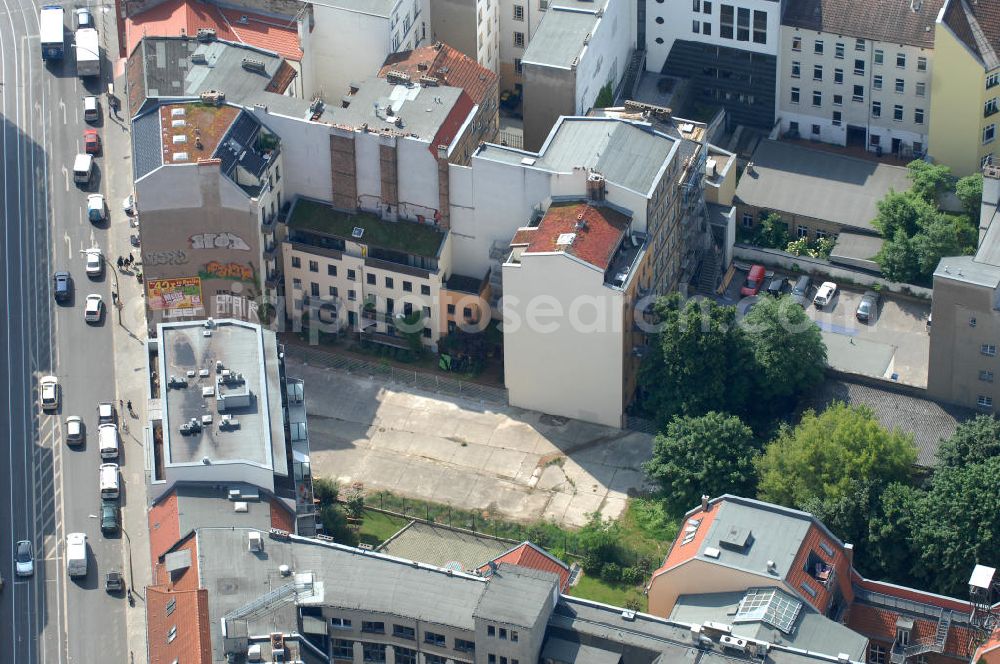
{"points": [[76, 554], [109, 481], [83, 166], [107, 437]]}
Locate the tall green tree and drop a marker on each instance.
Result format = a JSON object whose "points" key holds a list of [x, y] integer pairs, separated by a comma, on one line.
{"points": [[699, 361], [936, 239], [970, 191], [929, 180], [956, 524], [772, 232], [902, 211], [974, 441], [849, 517], [824, 455], [899, 259], [788, 351], [711, 454], [890, 551]]}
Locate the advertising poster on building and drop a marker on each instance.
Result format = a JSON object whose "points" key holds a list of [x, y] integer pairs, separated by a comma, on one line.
{"points": [[168, 294]]}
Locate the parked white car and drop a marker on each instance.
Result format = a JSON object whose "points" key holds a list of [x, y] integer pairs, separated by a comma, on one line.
{"points": [[128, 205], [50, 392], [95, 262], [94, 309], [97, 209], [74, 430], [825, 294]]}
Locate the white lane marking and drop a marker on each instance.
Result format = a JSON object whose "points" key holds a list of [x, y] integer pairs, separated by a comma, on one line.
{"points": [[65, 172], [69, 246], [62, 107]]}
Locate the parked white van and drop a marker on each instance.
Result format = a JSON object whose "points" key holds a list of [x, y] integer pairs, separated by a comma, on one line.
{"points": [[83, 166], [107, 436], [76, 554], [109, 481]]}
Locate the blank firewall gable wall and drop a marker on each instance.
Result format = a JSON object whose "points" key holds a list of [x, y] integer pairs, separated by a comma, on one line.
{"points": [[343, 172]]}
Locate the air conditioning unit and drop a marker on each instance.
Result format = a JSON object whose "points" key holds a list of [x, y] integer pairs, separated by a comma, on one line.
{"points": [[255, 543]]}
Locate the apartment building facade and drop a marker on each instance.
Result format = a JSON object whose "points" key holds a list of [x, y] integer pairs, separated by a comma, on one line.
{"points": [[727, 50], [471, 26], [858, 73], [966, 86]]}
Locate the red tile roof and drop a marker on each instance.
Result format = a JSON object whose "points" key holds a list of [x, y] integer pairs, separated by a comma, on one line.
{"points": [[875, 623], [681, 553], [164, 525], [798, 573], [595, 243], [989, 651], [529, 555], [452, 124], [281, 516], [449, 66], [189, 615], [912, 594], [174, 18]]}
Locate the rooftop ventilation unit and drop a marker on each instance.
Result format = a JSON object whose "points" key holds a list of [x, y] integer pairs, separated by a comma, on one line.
{"points": [[206, 34], [565, 238], [250, 64], [255, 543], [177, 112], [241, 507], [357, 232], [244, 19], [199, 59], [213, 97]]}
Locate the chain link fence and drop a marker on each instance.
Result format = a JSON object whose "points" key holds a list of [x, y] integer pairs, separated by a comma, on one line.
{"points": [[429, 382]]}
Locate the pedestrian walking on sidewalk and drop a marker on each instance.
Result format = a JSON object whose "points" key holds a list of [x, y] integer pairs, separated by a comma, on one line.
{"points": [[129, 406], [121, 262], [131, 259]]}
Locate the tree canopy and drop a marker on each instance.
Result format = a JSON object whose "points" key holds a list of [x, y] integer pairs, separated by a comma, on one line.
{"points": [[929, 180], [970, 191], [974, 441], [711, 454], [824, 455]]}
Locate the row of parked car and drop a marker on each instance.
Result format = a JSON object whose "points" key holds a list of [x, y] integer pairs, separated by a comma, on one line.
{"points": [[799, 291]]}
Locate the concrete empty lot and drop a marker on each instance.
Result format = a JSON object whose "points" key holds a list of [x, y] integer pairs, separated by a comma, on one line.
{"points": [[522, 464]]}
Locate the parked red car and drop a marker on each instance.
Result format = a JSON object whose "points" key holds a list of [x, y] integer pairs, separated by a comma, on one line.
{"points": [[755, 279], [91, 141]]}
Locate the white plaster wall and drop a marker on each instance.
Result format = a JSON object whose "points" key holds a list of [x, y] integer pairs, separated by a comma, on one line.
{"points": [[678, 16], [573, 368], [305, 154], [417, 174], [345, 46], [367, 170], [605, 58], [163, 188]]}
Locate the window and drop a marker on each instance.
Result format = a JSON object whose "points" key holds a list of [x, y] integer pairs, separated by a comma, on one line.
{"points": [[427, 312], [435, 639], [172, 634], [838, 51], [921, 89], [461, 645], [986, 376], [796, 43], [989, 133], [518, 12], [726, 21], [818, 47], [296, 261], [876, 109], [371, 278], [838, 100], [519, 39], [696, 5], [405, 655], [796, 69], [918, 116], [503, 633], [518, 67], [838, 75], [747, 220], [859, 93], [403, 632], [874, 140], [759, 27], [491, 659], [425, 289], [817, 72], [876, 654], [389, 283], [990, 107], [513, 637], [990, 350], [427, 333], [986, 161], [921, 63], [333, 291], [171, 606], [837, 118], [314, 266], [314, 289], [802, 231], [900, 86], [706, 28], [490, 629], [331, 270], [352, 295], [343, 649], [859, 44], [543, 5], [795, 95], [815, 130], [877, 81], [296, 283], [352, 275], [901, 60], [373, 653], [696, 27], [982, 402], [451, 312], [992, 80], [817, 98], [742, 24], [372, 627], [389, 305], [897, 113], [467, 312], [407, 286], [430, 658], [706, 7], [859, 67]]}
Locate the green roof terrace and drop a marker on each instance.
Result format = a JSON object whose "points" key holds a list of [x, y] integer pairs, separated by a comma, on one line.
{"points": [[408, 237]]}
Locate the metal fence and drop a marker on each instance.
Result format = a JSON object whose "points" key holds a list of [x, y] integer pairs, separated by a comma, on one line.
{"points": [[430, 382], [511, 139], [640, 425]]}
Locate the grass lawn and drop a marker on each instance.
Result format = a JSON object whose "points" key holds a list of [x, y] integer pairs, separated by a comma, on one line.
{"points": [[378, 527], [594, 588]]}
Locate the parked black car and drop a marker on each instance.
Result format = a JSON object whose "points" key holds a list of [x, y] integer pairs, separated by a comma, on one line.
{"points": [[800, 291], [62, 286]]}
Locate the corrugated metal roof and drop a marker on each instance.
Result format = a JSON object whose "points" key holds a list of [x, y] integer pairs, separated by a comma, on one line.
{"points": [[147, 146]]}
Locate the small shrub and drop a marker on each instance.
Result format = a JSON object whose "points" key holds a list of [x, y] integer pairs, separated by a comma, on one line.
{"points": [[632, 576], [611, 572], [592, 563]]}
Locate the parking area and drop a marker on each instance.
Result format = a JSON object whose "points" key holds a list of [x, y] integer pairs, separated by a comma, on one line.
{"points": [[892, 345], [521, 464]]}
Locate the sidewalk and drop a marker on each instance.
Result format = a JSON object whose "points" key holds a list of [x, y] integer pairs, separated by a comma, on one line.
{"points": [[128, 323]]}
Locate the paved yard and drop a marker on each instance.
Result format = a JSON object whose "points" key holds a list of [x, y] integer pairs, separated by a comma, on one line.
{"points": [[893, 346], [525, 465]]}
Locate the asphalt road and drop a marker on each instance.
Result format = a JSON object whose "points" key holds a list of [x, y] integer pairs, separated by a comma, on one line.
{"points": [[52, 489]]}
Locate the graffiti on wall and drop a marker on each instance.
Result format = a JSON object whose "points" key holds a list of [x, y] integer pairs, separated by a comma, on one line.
{"points": [[232, 271], [218, 241]]}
